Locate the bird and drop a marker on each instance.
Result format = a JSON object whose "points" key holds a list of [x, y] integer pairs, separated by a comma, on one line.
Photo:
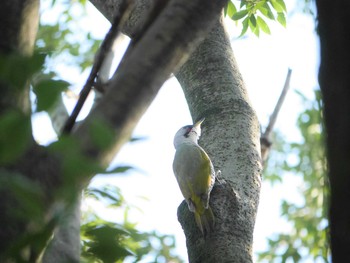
{"points": [[195, 174]]}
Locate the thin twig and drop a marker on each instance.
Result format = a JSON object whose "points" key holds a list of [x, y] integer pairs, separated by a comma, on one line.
{"points": [[265, 138], [106, 45]]}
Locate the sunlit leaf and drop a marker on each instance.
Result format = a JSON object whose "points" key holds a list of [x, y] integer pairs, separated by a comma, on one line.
{"points": [[282, 19], [245, 26], [266, 11], [240, 14], [230, 9], [263, 26], [277, 6], [282, 3]]}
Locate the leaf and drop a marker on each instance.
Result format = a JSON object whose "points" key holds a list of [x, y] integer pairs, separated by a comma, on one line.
{"points": [[254, 28], [282, 3], [281, 19], [231, 9], [105, 243], [239, 14], [252, 19], [277, 6], [266, 11], [101, 134], [16, 70], [262, 24], [15, 135], [245, 26], [48, 92], [118, 169]]}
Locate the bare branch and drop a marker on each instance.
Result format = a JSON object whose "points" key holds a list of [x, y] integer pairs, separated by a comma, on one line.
{"points": [[106, 45], [265, 138]]}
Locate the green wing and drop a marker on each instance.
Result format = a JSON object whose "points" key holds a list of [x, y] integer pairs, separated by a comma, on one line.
{"points": [[194, 173]]}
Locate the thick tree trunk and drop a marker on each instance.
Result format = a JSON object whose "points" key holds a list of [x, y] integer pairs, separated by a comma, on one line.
{"points": [[18, 25], [334, 77], [19, 21], [214, 89]]}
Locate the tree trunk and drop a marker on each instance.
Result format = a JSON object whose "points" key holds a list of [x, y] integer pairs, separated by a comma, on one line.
{"points": [[214, 89], [334, 77], [18, 25]]}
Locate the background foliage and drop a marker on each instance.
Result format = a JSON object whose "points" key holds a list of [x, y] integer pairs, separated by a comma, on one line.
{"points": [[308, 237]]}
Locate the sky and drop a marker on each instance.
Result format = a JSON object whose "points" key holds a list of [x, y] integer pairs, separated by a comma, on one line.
{"points": [[263, 63]]}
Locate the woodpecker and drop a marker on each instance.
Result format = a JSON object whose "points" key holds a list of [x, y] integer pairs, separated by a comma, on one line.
{"points": [[195, 174]]}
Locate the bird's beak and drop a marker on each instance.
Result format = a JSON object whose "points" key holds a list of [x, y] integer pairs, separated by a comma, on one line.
{"points": [[198, 123]]}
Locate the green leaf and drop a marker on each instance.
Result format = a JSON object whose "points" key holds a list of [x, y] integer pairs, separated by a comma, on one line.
{"points": [[118, 169], [282, 3], [16, 70], [239, 14], [48, 92], [266, 10], [101, 134], [253, 27], [276, 5], [282, 19], [252, 20], [245, 26], [15, 135], [262, 24], [231, 9], [105, 243]]}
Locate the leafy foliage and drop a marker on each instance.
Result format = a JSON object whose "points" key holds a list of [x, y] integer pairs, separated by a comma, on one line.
{"points": [[15, 135], [254, 12], [65, 39], [309, 236], [106, 241]]}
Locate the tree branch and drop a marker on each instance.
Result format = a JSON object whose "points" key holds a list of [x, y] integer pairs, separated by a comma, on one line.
{"points": [[106, 45], [265, 138]]}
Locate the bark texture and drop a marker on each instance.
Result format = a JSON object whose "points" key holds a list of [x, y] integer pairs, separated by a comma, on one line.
{"points": [[334, 78], [19, 23], [109, 7], [214, 89]]}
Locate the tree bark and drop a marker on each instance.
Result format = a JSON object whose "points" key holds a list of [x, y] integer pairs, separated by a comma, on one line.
{"points": [[19, 21], [18, 25], [214, 89], [334, 78]]}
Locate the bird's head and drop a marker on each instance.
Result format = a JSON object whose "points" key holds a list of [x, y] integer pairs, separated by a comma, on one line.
{"points": [[188, 133]]}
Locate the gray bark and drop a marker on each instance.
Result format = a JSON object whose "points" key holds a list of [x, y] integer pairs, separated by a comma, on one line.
{"points": [[214, 89]]}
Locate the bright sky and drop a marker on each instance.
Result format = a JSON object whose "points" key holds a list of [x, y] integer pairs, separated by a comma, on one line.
{"points": [[263, 63]]}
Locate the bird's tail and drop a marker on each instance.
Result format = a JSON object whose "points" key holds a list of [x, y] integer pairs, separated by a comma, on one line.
{"points": [[205, 221]]}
